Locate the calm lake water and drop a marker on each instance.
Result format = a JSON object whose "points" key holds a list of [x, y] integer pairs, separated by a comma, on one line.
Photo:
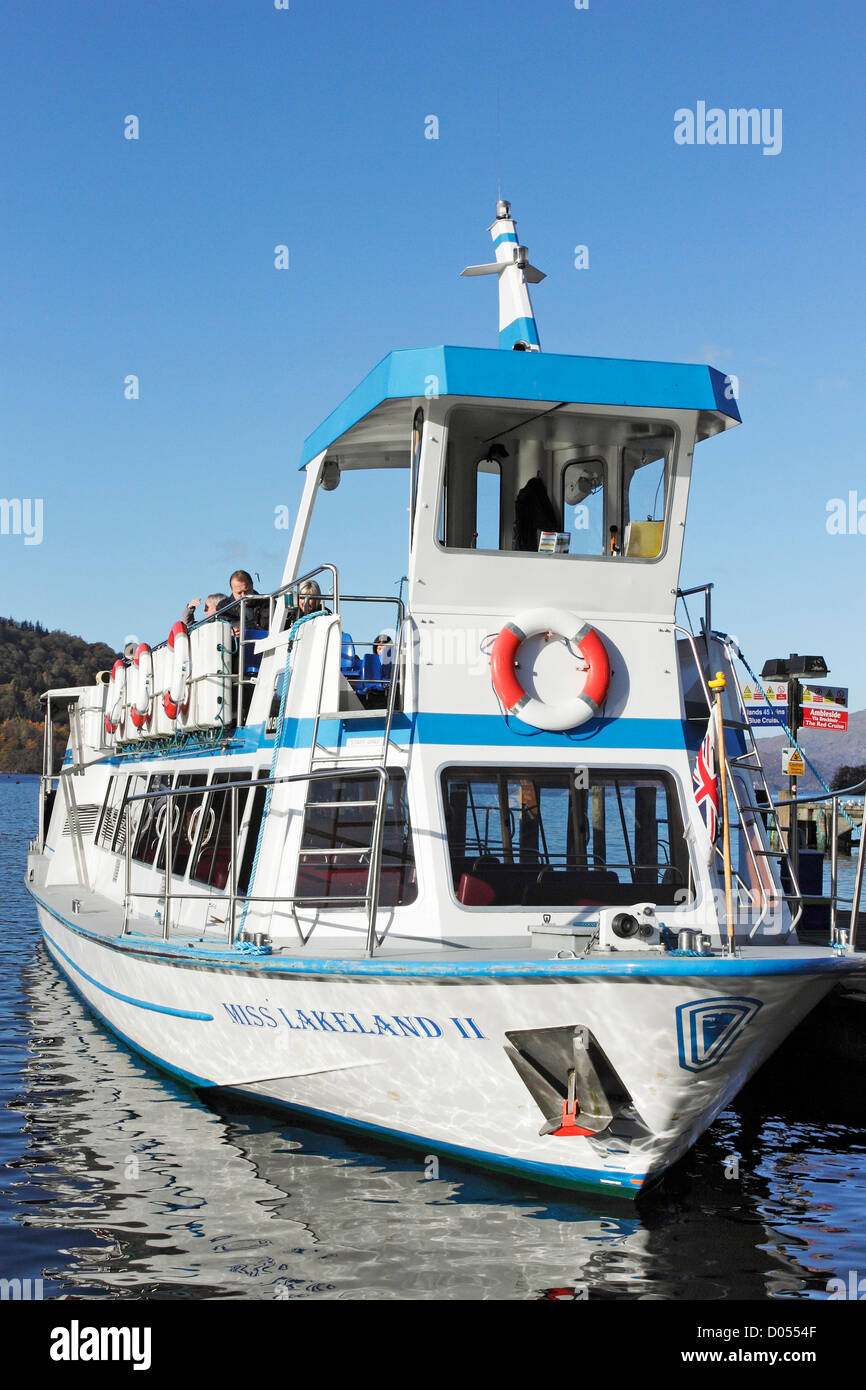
{"points": [[116, 1182]]}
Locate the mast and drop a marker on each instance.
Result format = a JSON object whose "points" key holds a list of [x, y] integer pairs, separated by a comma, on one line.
{"points": [[517, 326]]}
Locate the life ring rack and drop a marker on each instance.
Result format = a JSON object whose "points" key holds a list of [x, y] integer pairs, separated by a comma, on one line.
{"points": [[570, 713]]}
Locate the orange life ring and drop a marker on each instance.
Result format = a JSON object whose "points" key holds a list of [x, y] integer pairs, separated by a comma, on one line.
{"points": [[114, 697], [176, 698], [571, 712], [142, 686]]}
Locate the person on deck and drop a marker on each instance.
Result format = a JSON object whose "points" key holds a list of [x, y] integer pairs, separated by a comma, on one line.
{"points": [[256, 615], [309, 601], [212, 604]]}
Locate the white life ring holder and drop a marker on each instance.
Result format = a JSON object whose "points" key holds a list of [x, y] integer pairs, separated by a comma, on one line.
{"points": [[569, 714], [114, 700], [142, 686], [162, 817], [192, 827], [176, 697]]}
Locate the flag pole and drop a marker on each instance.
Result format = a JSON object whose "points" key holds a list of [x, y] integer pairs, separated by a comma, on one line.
{"points": [[718, 685]]}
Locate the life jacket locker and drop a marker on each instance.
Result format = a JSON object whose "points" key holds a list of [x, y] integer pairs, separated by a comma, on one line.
{"points": [[210, 705]]}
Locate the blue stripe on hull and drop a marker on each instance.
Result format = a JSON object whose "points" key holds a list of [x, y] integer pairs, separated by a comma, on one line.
{"points": [[129, 1042], [125, 998]]}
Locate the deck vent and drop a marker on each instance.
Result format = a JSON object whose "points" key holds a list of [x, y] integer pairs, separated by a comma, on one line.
{"points": [[81, 822]]}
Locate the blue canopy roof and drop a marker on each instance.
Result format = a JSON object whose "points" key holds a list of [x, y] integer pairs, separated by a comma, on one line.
{"points": [[527, 376]]}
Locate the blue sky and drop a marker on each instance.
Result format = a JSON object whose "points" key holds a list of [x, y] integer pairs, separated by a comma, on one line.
{"points": [[306, 127]]}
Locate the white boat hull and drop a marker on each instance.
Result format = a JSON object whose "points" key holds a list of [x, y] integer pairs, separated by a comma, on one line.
{"points": [[415, 1051]]}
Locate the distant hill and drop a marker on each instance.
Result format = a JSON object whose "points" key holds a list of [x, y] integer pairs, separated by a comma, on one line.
{"points": [[33, 660], [826, 750]]}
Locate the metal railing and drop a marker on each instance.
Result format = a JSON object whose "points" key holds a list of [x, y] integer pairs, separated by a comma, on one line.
{"points": [[754, 852], [837, 935], [706, 590], [242, 678], [165, 847], [337, 764], [771, 808]]}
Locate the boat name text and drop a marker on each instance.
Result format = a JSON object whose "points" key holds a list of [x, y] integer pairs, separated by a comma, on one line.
{"points": [[335, 1021]]}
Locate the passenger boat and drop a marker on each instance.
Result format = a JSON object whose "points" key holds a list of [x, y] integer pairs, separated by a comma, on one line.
{"points": [[451, 887]]}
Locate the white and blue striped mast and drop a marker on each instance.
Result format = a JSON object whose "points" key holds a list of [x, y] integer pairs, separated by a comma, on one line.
{"points": [[517, 326]]}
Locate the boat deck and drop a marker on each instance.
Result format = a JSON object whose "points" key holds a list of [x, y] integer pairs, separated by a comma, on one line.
{"points": [[93, 915]]}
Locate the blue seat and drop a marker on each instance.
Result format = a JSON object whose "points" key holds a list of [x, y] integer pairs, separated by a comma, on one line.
{"points": [[252, 659], [350, 662], [371, 675]]}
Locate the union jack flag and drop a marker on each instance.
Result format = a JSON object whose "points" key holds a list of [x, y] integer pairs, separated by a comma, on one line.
{"points": [[706, 781]]}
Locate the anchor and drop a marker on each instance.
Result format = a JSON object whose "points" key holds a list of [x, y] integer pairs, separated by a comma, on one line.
{"points": [[570, 1112]]}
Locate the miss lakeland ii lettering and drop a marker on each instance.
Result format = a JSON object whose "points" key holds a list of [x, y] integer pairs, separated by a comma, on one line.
{"points": [[335, 1021]]}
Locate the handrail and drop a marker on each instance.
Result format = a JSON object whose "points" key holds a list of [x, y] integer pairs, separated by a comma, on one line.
{"points": [[756, 869], [706, 590], [239, 679], [371, 897], [234, 896], [825, 796], [374, 875]]}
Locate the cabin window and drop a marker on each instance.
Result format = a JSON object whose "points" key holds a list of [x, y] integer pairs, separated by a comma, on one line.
{"points": [[185, 817], [151, 819], [213, 855], [336, 840], [555, 481], [254, 826], [564, 837]]}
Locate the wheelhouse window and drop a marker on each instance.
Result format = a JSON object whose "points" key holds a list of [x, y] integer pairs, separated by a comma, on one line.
{"points": [[583, 491], [555, 481], [564, 837], [337, 838]]}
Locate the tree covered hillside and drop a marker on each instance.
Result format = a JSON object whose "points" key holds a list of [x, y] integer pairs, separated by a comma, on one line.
{"points": [[33, 660]]}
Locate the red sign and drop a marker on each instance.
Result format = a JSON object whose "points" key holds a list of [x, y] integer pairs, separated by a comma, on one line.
{"points": [[824, 707]]}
